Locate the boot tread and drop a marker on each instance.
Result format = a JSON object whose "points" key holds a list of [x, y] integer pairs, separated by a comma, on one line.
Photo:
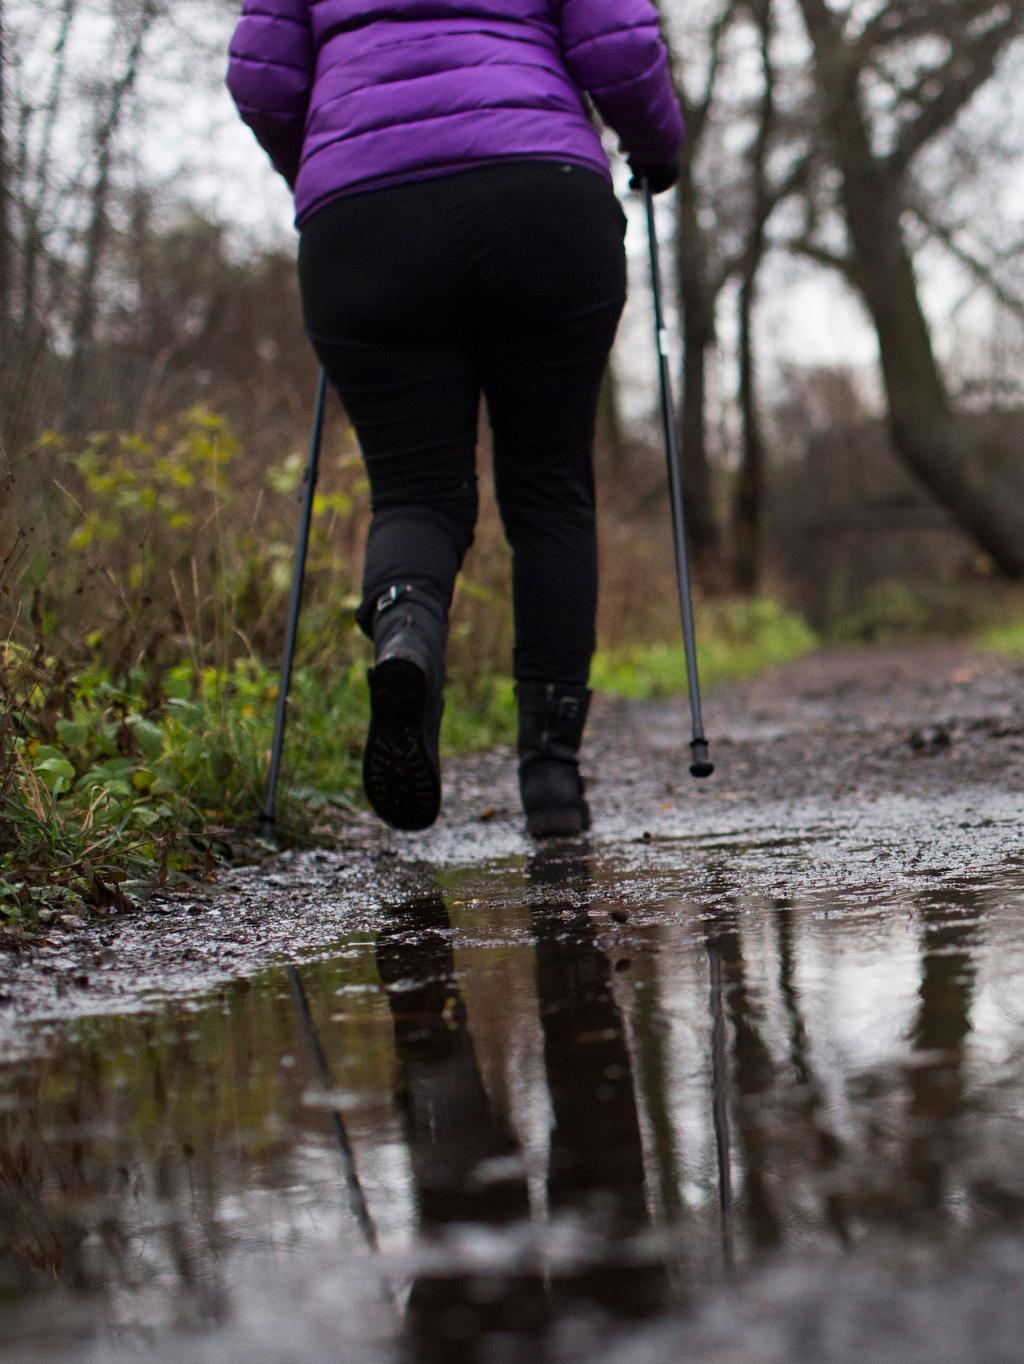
{"points": [[400, 776]]}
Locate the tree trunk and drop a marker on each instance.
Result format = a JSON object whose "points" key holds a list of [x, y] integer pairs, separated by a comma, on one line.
{"points": [[6, 250], [87, 304], [985, 497], [748, 506], [984, 494], [34, 236], [697, 308]]}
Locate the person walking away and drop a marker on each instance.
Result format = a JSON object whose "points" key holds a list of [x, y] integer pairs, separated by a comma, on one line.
{"points": [[459, 236]]}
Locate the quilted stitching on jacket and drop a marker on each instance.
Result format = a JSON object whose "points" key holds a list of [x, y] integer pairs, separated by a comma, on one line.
{"points": [[346, 95]]}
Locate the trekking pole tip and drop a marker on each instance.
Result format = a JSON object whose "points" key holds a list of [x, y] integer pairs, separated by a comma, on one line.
{"points": [[268, 828], [702, 766]]}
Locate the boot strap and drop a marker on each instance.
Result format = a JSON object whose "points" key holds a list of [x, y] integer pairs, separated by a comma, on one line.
{"points": [[370, 611], [552, 702], [552, 751], [406, 592]]}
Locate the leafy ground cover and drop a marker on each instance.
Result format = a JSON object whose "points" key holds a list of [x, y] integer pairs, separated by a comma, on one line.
{"points": [[735, 638], [142, 588], [1006, 639], [109, 787]]}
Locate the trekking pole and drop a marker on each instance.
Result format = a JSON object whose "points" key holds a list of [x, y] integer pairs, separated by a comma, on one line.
{"points": [[268, 818], [701, 766]]}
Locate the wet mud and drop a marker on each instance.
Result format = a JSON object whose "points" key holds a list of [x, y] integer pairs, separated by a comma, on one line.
{"points": [[740, 1076]]}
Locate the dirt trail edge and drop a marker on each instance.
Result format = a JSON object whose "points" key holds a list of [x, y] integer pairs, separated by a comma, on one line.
{"points": [[861, 769]]}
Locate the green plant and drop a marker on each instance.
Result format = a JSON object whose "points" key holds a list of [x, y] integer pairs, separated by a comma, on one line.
{"points": [[106, 785], [734, 639], [886, 611], [137, 690], [1007, 639]]}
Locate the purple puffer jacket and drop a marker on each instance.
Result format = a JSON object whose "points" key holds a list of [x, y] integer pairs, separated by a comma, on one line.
{"points": [[349, 95]]}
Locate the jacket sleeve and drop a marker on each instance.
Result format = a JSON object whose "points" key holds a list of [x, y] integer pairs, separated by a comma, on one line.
{"points": [[614, 51], [270, 76]]}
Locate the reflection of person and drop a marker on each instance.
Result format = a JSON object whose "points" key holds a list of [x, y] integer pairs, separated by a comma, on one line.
{"points": [[935, 1079], [465, 1161], [466, 1164], [596, 1162], [459, 236]]}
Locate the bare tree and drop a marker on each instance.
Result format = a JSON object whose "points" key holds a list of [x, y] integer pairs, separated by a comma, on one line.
{"points": [[97, 231], [699, 286], [6, 246], [747, 507], [724, 207], [887, 88], [37, 198]]}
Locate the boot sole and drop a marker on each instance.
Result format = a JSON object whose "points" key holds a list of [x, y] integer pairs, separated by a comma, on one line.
{"points": [[401, 780], [557, 823]]}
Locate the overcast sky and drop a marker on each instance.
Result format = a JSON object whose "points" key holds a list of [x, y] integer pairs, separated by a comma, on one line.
{"points": [[807, 317], [812, 320], [195, 145]]}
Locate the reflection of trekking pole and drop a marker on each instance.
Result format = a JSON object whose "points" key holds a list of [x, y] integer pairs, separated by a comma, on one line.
{"points": [[356, 1197], [701, 766], [268, 818], [720, 1097]]}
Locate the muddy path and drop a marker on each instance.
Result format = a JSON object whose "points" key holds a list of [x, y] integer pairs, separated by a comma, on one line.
{"points": [[740, 1076], [870, 768]]}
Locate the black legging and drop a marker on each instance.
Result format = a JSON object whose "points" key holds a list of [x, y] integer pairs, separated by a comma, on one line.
{"points": [[507, 280]]}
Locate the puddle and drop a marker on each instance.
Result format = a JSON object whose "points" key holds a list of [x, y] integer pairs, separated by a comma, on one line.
{"points": [[546, 1111]]}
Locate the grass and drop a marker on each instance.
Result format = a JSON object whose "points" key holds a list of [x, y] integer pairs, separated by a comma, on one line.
{"points": [[106, 788], [734, 639], [140, 591], [1006, 639]]}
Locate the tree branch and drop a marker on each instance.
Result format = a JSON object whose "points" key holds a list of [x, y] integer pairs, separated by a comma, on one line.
{"points": [[899, 22], [6, 248], [96, 233], [967, 70], [947, 235], [35, 214], [766, 202], [846, 265], [715, 39]]}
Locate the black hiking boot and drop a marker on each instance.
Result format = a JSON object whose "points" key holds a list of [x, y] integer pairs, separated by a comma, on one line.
{"points": [[551, 721], [401, 763]]}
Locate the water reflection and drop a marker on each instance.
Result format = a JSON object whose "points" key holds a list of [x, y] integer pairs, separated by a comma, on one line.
{"points": [[466, 1164], [827, 1146], [790, 1135], [752, 1077], [773, 1097], [356, 1197], [596, 1163], [720, 1098], [717, 1085], [936, 1078]]}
